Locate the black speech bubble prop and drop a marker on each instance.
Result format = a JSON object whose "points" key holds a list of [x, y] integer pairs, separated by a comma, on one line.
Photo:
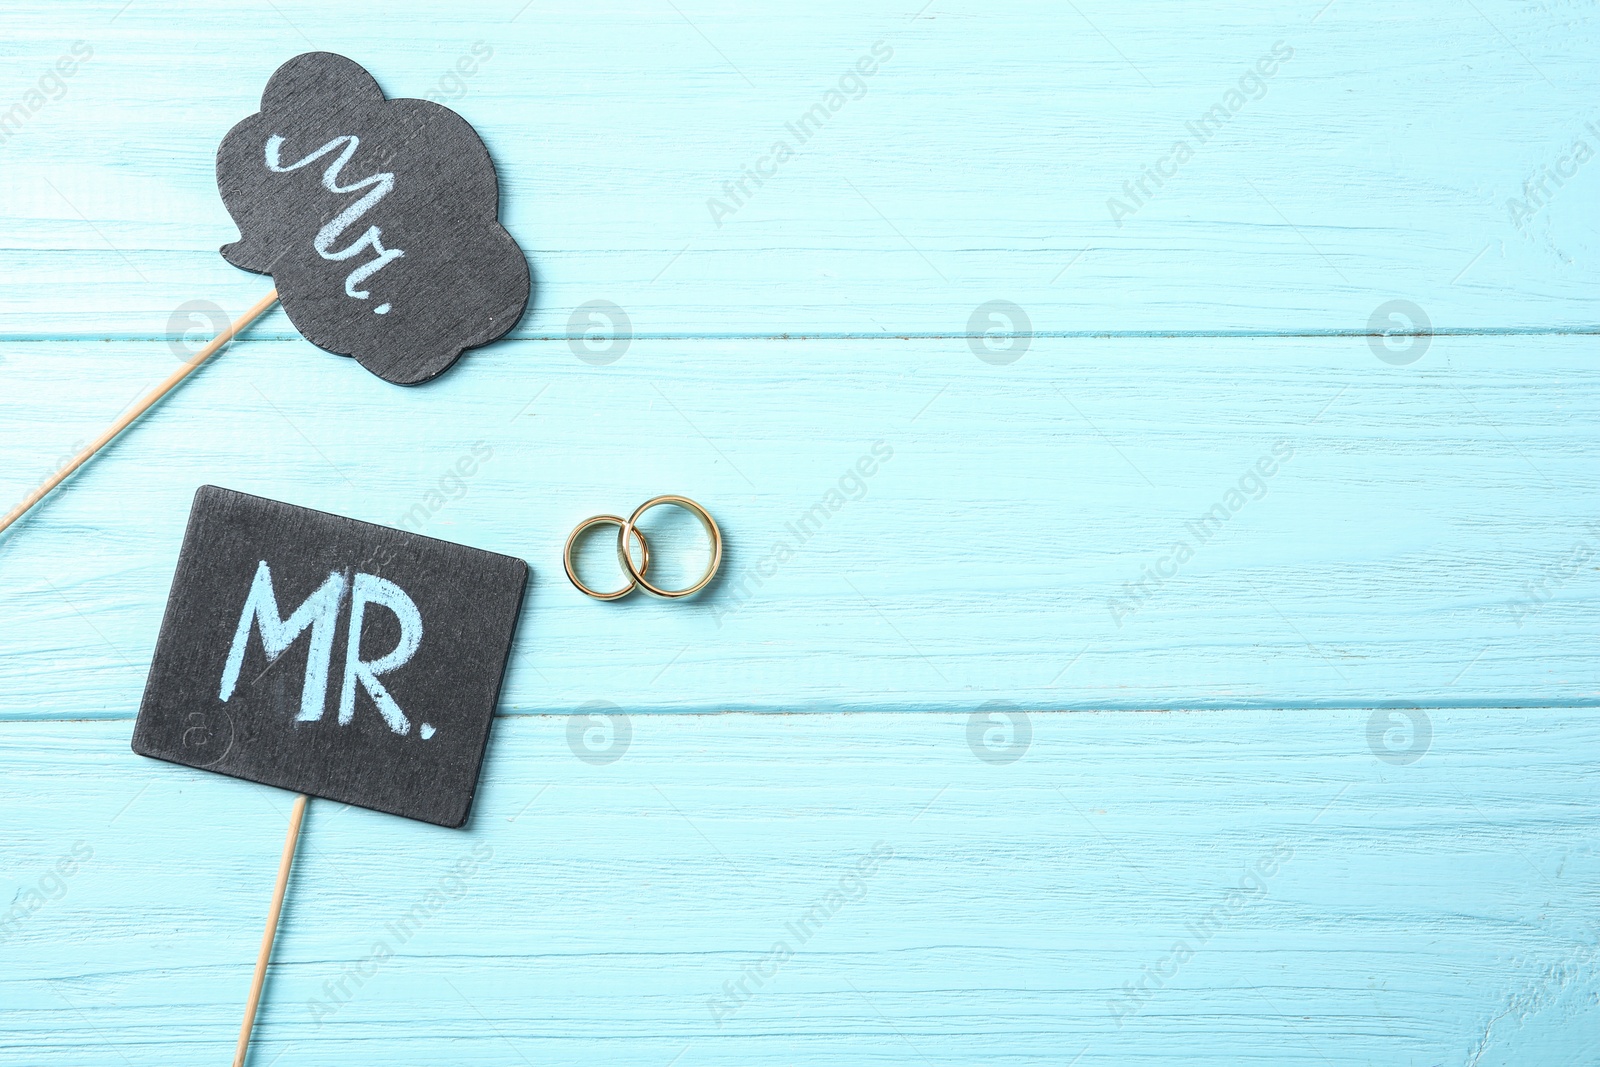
{"points": [[378, 220]]}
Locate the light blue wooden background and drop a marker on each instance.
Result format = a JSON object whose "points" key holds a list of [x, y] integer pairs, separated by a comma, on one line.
{"points": [[1367, 700]]}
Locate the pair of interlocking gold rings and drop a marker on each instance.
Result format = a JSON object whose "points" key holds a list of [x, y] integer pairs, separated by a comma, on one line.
{"points": [[628, 530]]}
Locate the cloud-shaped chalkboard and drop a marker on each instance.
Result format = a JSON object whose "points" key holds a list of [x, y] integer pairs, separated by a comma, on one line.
{"points": [[378, 220]]}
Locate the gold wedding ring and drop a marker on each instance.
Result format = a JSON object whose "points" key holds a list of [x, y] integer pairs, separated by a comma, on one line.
{"points": [[572, 570], [628, 531], [637, 572]]}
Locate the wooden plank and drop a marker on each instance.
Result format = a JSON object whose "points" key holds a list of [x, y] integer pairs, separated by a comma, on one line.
{"points": [[1433, 912], [978, 162], [1431, 539]]}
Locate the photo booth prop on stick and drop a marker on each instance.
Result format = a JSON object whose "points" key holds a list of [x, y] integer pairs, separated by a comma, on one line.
{"points": [[330, 657], [378, 221]]}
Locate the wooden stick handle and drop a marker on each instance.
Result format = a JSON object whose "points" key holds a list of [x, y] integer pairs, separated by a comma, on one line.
{"points": [[295, 816], [139, 409]]}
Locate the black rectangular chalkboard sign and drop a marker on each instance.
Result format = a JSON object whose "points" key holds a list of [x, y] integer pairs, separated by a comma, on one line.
{"points": [[330, 657]]}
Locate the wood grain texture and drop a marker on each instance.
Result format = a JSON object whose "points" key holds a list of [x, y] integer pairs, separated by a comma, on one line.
{"points": [[1000, 553], [1438, 912], [1431, 541], [977, 164]]}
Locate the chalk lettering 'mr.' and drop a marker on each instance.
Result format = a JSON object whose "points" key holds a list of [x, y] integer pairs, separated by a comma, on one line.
{"points": [[319, 613], [381, 184]]}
